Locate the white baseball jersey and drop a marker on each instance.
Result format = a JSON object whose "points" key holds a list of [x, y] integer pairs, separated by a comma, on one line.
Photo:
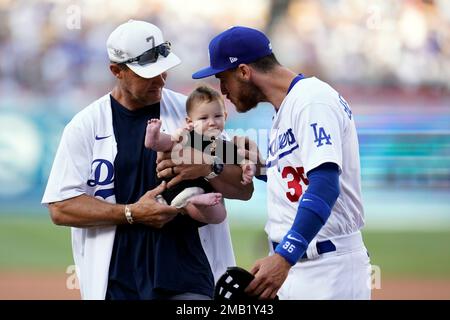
{"points": [[314, 125], [84, 164]]}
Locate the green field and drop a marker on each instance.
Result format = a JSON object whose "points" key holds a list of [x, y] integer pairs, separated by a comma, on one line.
{"points": [[29, 242], [417, 254]]}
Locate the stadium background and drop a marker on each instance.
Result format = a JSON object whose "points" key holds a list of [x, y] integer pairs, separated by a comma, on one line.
{"points": [[390, 60]]}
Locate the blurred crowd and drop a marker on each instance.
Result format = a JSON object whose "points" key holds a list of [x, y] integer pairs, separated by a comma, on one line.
{"points": [[380, 54], [56, 48]]}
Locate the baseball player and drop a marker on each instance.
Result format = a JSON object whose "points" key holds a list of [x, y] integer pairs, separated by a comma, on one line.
{"points": [[313, 173]]}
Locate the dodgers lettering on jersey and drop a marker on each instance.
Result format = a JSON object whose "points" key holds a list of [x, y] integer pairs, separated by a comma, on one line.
{"points": [[314, 125], [282, 145], [102, 174]]}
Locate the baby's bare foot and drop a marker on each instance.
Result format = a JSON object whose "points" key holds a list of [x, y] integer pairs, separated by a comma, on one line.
{"points": [[207, 199], [152, 133]]}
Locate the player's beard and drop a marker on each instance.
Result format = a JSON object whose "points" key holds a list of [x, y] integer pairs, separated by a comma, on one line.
{"points": [[248, 97]]}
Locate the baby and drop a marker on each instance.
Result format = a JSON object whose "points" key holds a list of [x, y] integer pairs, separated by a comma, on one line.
{"points": [[205, 122]]}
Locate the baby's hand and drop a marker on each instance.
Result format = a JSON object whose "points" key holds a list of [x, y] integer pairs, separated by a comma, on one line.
{"points": [[189, 126], [248, 172], [181, 132]]}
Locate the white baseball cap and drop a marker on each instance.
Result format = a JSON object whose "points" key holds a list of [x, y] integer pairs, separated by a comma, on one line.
{"points": [[141, 45]]}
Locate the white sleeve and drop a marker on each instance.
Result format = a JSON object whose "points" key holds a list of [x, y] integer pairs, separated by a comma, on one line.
{"points": [[319, 128], [71, 167]]}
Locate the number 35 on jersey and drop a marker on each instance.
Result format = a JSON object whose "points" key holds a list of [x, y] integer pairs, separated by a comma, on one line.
{"points": [[294, 177]]}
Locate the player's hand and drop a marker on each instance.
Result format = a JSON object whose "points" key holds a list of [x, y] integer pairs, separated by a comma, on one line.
{"points": [[248, 172], [248, 149], [167, 169], [270, 273], [150, 212]]}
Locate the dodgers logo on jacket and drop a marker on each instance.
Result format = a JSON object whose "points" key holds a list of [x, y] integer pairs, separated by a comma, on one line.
{"points": [[103, 175]]}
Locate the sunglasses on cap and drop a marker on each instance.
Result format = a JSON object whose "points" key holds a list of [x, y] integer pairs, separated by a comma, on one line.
{"points": [[151, 56]]}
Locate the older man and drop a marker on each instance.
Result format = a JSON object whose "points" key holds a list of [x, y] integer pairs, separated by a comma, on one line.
{"points": [[126, 245]]}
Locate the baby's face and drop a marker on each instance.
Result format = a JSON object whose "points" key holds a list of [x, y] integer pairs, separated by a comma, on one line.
{"points": [[208, 118]]}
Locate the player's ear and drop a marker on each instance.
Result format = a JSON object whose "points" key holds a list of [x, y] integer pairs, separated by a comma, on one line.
{"points": [[188, 120], [225, 115], [116, 70], [244, 71]]}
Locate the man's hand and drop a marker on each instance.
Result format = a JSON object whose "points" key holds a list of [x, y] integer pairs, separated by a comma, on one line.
{"points": [[166, 168], [192, 164], [270, 273], [248, 149], [150, 212]]}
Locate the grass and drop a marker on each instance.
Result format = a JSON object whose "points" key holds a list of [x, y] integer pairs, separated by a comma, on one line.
{"points": [[424, 254], [29, 242], [420, 254]]}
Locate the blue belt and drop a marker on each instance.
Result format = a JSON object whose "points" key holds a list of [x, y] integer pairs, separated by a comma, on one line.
{"points": [[322, 247]]}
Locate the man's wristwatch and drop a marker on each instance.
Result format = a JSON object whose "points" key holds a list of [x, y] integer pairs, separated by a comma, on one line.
{"points": [[216, 168]]}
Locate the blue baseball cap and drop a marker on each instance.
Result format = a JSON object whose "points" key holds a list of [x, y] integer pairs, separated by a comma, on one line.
{"points": [[232, 47]]}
